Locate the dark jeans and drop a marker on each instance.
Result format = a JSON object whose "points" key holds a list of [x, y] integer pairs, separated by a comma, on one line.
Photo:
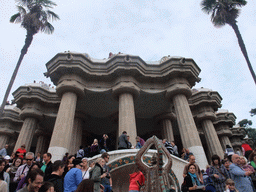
{"points": [[107, 188]]}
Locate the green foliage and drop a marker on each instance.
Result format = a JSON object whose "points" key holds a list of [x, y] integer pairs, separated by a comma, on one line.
{"points": [[222, 11], [245, 123], [34, 15], [253, 112], [251, 132]]}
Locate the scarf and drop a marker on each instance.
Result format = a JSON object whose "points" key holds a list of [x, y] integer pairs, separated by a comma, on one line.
{"points": [[194, 179], [253, 164]]}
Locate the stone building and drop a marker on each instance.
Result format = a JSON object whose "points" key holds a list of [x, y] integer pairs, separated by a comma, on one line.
{"points": [[121, 93]]}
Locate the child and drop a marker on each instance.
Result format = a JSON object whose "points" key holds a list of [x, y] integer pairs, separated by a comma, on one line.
{"points": [[230, 186]]}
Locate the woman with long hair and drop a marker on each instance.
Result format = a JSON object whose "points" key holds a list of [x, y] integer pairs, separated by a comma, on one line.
{"points": [[4, 177], [218, 174], [12, 171], [191, 181], [85, 186]]}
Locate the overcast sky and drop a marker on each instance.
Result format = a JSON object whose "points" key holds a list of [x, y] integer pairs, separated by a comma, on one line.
{"points": [[147, 28]]}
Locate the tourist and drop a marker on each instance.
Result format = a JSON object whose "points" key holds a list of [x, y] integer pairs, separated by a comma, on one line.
{"points": [[168, 146], [226, 164], [96, 174], [247, 149], [85, 169], [12, 171], [192, 181], [138, 144], [3, 151], [91, 164], [129, 144], [24, 180], [3, 175], [122, 141], [35, 180], [95, 149], [38, 158], [3, 186], [65, 158], [47, 165], [192, 160], [86, 185], [142, 141], [80, 152], [218, 174], [240, 177], [175, 149], [252, 160], [7, 162], [229, 152], [230, 186], [56, 176], [187, 154], [21, 152], [69, 164], [73, 176], [105, 144], [47, 187], [106, 181], [23, 169], [137, 180], [183, 153]]}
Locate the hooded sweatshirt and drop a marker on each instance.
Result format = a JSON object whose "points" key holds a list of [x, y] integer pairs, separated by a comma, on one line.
{"points": [[135, 178]]}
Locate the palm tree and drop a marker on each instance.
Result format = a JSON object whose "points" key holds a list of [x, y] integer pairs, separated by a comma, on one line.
{"points": [[226, 12], [33, 16]]}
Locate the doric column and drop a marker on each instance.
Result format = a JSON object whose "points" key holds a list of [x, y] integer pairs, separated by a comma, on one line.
{"points": [[223, 123], [31, 115], [126, 92], [76, 134], [166, 121], [41, 145], [69, 89], [178, 91], [5, 135]]}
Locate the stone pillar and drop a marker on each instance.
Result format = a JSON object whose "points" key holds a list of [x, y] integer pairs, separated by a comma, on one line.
{"points": [[31, 115], [212, 139], [69, 90], [3, 140], [41, 145], [76, 135], [178, 91], [166, 121], [224, 140], [223, 123], [126, 92]]}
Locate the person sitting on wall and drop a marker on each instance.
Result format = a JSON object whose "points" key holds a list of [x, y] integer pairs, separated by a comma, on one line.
{"points": [[95, 149], [168, 146], [123, 141], [105, 143], [21, 152]]}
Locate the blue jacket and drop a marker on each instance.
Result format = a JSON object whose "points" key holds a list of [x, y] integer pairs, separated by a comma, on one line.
{"points": [[242, 182], [72, 179]]}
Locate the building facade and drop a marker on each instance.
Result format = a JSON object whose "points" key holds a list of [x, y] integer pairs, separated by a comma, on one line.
{"points": [[122, 93]]}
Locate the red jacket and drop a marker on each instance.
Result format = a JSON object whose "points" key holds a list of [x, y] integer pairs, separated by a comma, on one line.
{"points": [[136, 176], [246, 147]]}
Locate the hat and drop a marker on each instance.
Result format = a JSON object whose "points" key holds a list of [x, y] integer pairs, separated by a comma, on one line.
{"points": [[7, 157]]}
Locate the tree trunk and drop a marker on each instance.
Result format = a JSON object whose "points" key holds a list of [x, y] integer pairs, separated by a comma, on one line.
{"points": [[243, 49], [28, 41]]}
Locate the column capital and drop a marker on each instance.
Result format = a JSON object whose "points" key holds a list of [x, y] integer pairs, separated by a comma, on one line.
{"points": [[167, 115], [125, 87], [6, 131], [205, 115], [178, 88], [70, 84], [31, 112]]}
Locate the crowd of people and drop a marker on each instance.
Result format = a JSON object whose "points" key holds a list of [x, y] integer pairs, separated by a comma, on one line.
{"points": [[233, 173], [23, 171]]}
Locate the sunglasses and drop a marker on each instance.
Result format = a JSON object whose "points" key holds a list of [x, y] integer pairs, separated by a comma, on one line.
{"points": [[29, 159]]}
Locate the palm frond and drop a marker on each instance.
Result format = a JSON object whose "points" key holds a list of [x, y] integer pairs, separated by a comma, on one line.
{"points": [[21, 10], [207, 5], [51, 15], [16, 18], [47, 28]]}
